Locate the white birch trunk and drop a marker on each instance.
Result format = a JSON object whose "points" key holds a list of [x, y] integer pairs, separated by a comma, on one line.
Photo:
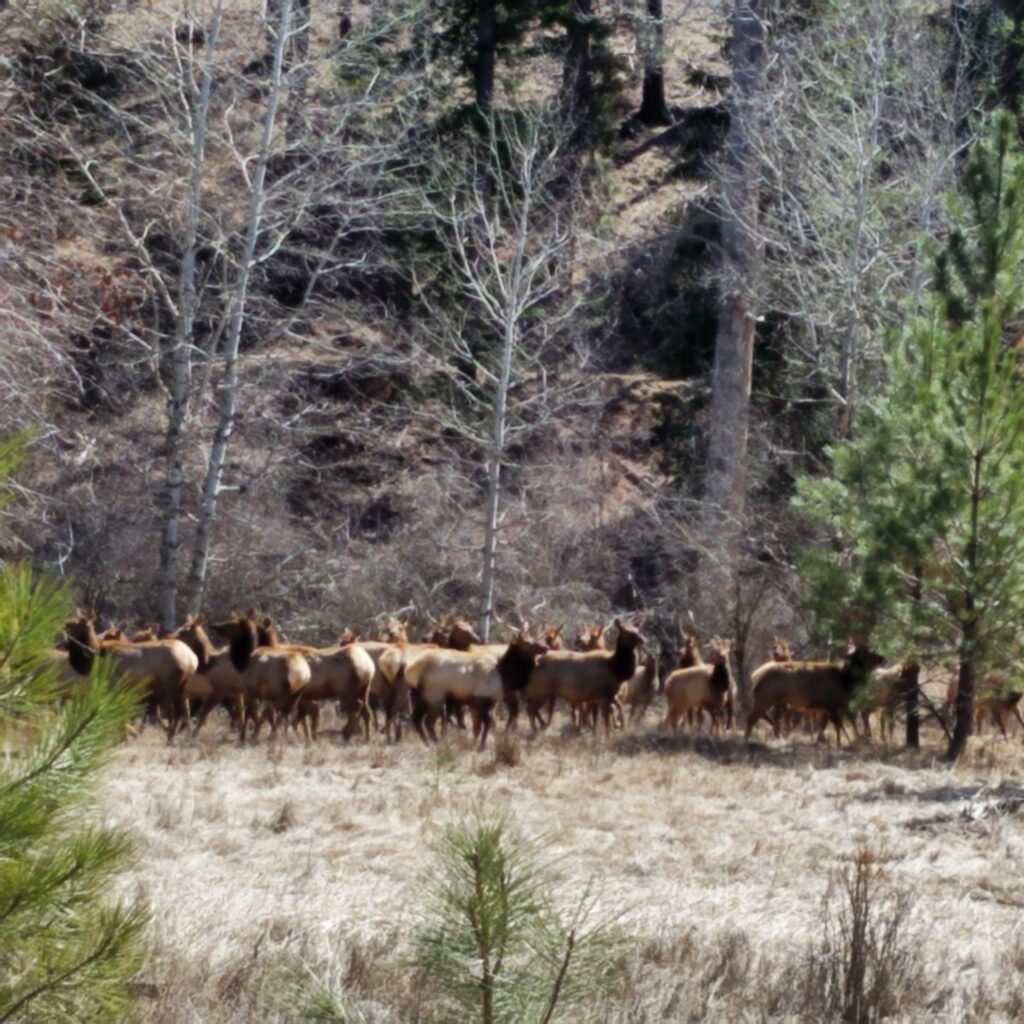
{"points": [[227, 391], [181, 353]]}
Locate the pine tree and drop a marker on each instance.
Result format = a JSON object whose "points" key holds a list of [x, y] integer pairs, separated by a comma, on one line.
{"points": [[926, 504], [66, 950]]}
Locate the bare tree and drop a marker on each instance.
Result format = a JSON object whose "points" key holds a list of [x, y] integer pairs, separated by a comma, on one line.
{"points": [[195, 98], [886, 124], [507, 227], [227, 391]]}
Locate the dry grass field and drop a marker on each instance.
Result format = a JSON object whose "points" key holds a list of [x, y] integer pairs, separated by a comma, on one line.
{"points": [[271, 869]]}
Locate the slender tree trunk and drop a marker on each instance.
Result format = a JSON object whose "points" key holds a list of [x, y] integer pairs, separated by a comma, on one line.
{"points": [[741, 262], [227, 391], [911, 677], [576, 75], [299, 73], [964, 696], [486, 54], [910, 685], [494, 466], [179, 389], [970, 629], [653, 108]]}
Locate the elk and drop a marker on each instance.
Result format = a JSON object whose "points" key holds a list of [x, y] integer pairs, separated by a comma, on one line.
{"points": [[641, 688], [811, 686], [164, 666], [994, 697], [217, 681], [342, 673], [383, 692], [688, 656], [273, 676], [584, 678], [476, 678], [590, 638], [704, 687]]}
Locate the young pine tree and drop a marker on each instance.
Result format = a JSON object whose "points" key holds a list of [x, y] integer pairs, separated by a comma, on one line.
{"points": [[926, 503], [66, 950]]}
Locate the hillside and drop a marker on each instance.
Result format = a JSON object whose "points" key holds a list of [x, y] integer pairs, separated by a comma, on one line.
{"points": [[340, 467]]}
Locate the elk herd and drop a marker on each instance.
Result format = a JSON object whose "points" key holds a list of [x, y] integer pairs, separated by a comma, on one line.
{"points": [[385, 682]]}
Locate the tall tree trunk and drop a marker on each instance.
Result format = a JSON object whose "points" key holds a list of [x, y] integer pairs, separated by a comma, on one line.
{"points": [[179, 388], [741, 264], [227, 390], [726, 482], [964, 697], [576, 74], [298, 74], [970, 626], [653, 108], [910, 686], [494, 465], [486, 54]]}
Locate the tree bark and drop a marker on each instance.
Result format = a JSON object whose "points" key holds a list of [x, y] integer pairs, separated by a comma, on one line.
{"points": [[726, 488], [494, 465], [178, 392], [964, 704], [1012, 78], [298, 75], [910, 683], [653, 108], [576, 75], [227, 391], [486, 54]]}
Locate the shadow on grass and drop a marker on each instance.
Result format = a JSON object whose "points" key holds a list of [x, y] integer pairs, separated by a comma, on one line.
{"points": [[791, 753]]}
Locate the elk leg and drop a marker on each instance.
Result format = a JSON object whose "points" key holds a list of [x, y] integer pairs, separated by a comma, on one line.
{"points": [[419, 714], [483, 721], [753, 718], [837, 721], [512, 706]]}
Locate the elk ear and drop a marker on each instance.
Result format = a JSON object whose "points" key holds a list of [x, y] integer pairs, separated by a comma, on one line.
{"points": [[198, 620], [617, 624], [251, 613]]}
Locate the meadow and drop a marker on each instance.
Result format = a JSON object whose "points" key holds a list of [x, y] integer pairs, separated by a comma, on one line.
{"points": [[276, 871]]}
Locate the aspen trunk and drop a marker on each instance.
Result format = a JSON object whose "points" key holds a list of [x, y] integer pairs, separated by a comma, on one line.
{"points": [[227, 390], [179, 390]]}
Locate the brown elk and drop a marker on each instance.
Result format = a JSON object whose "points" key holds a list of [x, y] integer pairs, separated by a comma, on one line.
{"points": [[640, 690], [590, 678], [162, 666], [994, 697], [217, 681], [590, 638], [704, 687], [342, 673], [811, 686], [273, 677], [477, 678]]}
